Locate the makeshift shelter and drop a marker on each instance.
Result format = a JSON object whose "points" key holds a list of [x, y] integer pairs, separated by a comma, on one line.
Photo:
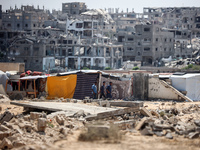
{"points": [[85, 79], [3, 80], [189, 83], [37, 85], [61, 86]]}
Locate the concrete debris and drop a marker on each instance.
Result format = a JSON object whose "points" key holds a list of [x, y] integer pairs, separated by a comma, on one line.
{"points": [[6, 144], [79, 114], [40, 129], [4, 134], [146, 131], [4, 128], [169, 136], [60, 120], [41, 125], [6, 116], [36, 115]]}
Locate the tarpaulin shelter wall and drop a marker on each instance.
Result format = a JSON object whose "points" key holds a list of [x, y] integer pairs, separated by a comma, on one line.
{"points": [[84, 84], [61, 86], [120, 89], [189, 83]]}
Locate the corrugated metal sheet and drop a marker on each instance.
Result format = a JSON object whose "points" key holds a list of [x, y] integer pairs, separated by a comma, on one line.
{"points": [[84, 85]]}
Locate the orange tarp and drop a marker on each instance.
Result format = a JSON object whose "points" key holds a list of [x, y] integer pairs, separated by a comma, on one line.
{"points": [[61, 86]]}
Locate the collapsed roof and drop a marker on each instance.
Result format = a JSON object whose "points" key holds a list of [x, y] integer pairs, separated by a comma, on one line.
{"points": [[95, 12]]}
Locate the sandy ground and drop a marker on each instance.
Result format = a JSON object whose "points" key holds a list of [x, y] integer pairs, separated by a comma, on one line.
{"points": [[132, 140]]}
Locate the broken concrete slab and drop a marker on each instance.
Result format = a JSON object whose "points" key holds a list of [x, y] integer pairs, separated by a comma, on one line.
{"points": [[145, 112], [126, 103], [67, 107], [125, 124]]}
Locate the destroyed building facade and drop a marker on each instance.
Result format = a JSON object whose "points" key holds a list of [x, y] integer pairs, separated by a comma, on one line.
{"points": [[74, 8], [27, 18], [77, 37]]}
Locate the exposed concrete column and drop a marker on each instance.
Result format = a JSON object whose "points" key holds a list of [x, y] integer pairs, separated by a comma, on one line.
{"points": [[112, 58], [104, 62], [85, 50], [104, 52], [31, 50], [66, 62], [79, 63], [92, 62]]}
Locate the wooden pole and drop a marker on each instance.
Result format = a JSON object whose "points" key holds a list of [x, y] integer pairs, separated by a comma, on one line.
{"points": [[99, 85], [19, 86], [6, 85], [34, 89]]}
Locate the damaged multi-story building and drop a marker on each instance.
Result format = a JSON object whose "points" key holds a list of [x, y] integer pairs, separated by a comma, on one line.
{"points": [[49, 45], [78, 37], [147, 43], [74, 8], [184, 22], [26, 18], [0, 16]]}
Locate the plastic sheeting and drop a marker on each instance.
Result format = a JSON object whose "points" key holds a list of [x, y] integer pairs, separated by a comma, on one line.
{"points": [[3, 78], [120, 89], [61, 86], [189, 83]]}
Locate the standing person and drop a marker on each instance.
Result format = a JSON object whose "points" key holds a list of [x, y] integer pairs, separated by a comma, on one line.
{"points": [[102, 94], [109, 90], [94, 90]]}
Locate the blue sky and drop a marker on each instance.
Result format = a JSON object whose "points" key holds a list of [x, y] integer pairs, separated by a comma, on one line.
{"points": [[122, 4]]}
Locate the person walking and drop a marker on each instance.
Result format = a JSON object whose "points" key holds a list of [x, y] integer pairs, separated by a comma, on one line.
{"points": [[102, 94], [109, 90], [94, 90]]}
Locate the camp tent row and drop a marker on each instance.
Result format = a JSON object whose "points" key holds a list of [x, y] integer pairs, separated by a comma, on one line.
{"points": [[74, 84]]}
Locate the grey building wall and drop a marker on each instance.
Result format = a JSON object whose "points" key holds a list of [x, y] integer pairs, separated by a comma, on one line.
{"points": [[148, 44], [25, 19], [74, 8]]}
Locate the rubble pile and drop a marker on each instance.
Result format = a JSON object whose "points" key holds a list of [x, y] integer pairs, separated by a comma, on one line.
{"points": [[162, 119], [171, 122], [4, 99], [182, 63], [34, 129]]}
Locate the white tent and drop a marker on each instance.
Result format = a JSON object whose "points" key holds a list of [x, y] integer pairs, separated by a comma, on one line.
{"points": [[3, 78], [189, 83]]}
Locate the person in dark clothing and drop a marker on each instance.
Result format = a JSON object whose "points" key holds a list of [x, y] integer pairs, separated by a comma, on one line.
{"points": [[94, 90], [109, 90], [102, 94]]}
